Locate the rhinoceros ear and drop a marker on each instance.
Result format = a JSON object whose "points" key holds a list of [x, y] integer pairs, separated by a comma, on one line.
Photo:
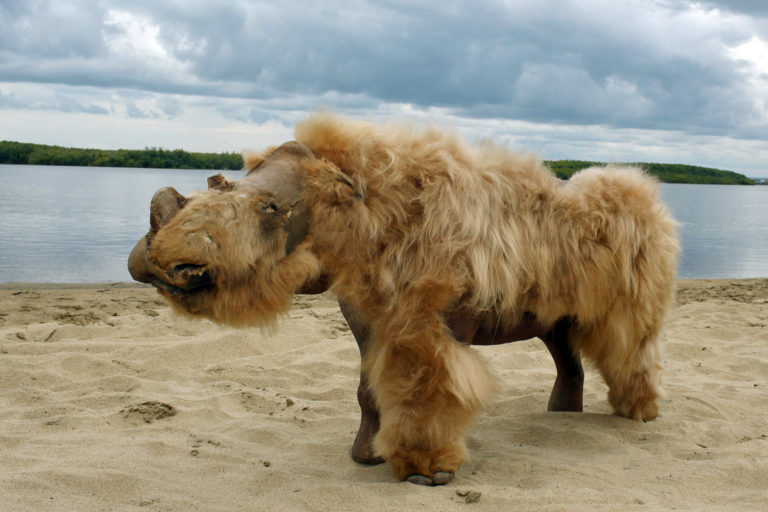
{"points": [[347, 180], [220, 182]]}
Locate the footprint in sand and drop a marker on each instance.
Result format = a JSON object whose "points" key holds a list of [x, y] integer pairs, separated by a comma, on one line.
{"points": [[148, 412]]}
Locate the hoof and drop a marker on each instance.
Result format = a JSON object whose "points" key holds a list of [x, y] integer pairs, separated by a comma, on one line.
{"points": [[367, 459], [439, 478], [419, 480]]}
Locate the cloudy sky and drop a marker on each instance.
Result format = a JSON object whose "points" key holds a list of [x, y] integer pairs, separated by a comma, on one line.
{"points": [[613, 80]]}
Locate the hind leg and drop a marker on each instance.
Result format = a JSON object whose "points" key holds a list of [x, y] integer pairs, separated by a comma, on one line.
{"points": [[636, 386], [630, 365], [362, 448]]}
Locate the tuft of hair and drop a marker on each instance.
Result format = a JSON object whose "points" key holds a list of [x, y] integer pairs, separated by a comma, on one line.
{"points": [[252, 159]]}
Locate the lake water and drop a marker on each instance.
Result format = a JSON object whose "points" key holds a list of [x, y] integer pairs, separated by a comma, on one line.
{"points": [[78, 224]]}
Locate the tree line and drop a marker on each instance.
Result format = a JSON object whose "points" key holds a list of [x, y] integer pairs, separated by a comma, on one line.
{"points": [[667, 173], [40, 154]]}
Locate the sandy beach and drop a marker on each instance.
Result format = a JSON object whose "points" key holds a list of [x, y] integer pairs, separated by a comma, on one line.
{"points": [[108, 401]]}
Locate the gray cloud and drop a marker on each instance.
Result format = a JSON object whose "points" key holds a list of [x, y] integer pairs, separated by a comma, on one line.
{"points": [[60, 101], [661, 64], [749, 7], [136, 112], [9, 100]]}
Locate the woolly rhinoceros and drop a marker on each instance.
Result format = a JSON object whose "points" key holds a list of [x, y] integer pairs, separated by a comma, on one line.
{"points": [[431, 245]]}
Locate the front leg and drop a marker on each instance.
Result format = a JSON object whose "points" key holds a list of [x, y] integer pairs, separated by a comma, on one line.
{"points": [[362, 448], [429, 388]]}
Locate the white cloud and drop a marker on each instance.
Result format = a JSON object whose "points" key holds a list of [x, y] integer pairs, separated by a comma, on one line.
{"points": [[198, 129], [602, 79], [126, 33], [201, 123], [754, 53]]}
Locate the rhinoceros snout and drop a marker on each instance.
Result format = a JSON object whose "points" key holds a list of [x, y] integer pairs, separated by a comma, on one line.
{"points": [[138, 264], [182, 277]]}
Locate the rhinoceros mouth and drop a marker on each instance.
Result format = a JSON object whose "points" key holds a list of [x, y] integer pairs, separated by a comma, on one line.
{"points": [[197, 281]]}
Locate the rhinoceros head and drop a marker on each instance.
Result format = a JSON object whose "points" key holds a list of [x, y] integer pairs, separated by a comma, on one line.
{"points": [[238, 252]]}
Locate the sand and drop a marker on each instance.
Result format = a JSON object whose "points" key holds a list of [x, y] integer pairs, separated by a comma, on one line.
{"points": [[110, 402]]}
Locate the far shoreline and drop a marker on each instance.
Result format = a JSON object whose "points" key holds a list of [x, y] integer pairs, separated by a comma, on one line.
{"points": [[22, 153], [15, 285], [21, 286]]}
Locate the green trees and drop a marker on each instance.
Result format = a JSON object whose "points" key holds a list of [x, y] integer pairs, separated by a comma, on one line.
{"points": [[667, 173], [39, 154], [16, 152]]}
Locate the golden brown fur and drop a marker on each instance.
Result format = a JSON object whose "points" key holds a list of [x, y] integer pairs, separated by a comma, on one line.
{"points": [[407, 223], [443, 220]]}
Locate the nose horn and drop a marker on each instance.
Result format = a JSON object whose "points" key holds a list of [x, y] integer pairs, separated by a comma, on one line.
{"points": [[165, 204]]}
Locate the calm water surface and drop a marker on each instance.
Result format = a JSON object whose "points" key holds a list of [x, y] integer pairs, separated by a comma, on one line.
{"points": [[724, 229], [78, 224]]}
